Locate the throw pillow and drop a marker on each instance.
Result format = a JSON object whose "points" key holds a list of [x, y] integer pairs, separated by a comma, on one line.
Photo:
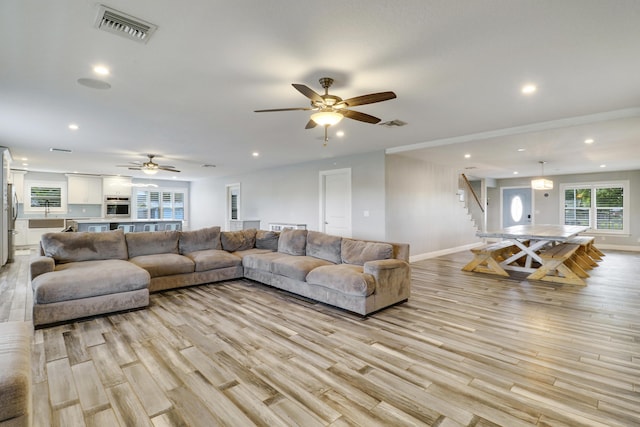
{"points": [[200, 240], [267, 240], [292, 242], [358, 251], [324, 246], [238, 240]]}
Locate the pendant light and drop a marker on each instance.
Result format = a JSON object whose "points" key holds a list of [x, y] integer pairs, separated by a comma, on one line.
{"points": [[542, 183]]}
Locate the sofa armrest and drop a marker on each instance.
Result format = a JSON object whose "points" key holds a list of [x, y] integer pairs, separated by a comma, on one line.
{"points": [[393, 279], [40, 265]]}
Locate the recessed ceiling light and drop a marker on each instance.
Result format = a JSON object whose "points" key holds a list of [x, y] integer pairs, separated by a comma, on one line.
{"points": [[522, 149], [255, 154], [515, 172], [74, 126], [24, 159], [25, 164], [588, 141], [603, 166], [340, 133], [101, 70], [467, 156], [528, 89]]}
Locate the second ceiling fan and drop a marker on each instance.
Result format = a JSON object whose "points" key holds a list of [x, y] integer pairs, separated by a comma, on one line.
{"points": [[330, 109]]}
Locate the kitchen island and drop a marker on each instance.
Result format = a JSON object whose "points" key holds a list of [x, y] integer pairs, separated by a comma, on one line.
{"points": [[128, 225]]}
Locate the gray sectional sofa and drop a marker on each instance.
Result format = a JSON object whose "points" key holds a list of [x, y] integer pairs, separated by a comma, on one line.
{"points": [[86, 274]]}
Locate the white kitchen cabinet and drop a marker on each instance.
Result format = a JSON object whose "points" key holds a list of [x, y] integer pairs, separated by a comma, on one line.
{"points": [[116, 186], [17, 179], [85, 190], [21, 237]]}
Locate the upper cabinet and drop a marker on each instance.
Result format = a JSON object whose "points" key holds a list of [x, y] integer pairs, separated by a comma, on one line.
{"points": [[17, 179], [116, 186], [84, 190]]}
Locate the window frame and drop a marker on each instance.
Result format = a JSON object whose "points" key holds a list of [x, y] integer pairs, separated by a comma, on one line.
{"points": [[593, 209], [28, 185], [161, 191]]}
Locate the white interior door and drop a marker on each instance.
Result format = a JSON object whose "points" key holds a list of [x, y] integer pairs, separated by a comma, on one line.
{"points": [[516, 206], [335, 202]]}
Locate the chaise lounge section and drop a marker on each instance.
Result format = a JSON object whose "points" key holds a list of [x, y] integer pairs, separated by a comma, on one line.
{"points": [[87, 274]]}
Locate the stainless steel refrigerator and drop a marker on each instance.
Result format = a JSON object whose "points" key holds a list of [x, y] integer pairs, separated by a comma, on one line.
{"points": [[12, 212]]}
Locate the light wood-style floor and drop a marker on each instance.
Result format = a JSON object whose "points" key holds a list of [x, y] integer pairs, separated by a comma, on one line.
{"points": [[468, 349]]}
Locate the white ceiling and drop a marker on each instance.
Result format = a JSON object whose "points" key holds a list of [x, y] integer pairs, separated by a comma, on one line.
{"points": [[456, 66]]}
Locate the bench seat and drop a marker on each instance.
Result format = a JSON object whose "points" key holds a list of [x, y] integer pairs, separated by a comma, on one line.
{"points": [[559, 265]]}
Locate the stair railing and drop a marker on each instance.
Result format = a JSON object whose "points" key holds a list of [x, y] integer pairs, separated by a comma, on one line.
{"points": [[470, 189]]}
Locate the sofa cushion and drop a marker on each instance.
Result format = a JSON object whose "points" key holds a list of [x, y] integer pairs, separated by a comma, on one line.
{"points": [[77, 280], [292, 242], [238, 240], [296, 267], [267, 240], [324, 246], [15, 375], [261, 261], [212, 259], [358, 251], [199, 240], [346, 278], [251, 251], [73, 247], [152, 242], [164, 264]]}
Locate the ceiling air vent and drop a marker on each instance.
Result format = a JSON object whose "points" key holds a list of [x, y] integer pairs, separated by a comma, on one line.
{"points": [[393, 123], [113, 21]]}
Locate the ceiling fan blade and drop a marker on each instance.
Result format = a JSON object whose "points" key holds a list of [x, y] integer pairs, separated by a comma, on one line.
{"points": [[168, 168], [310, 124], [369, 99], [135, 169], [362, 117], [308, 92], [283, 109]]}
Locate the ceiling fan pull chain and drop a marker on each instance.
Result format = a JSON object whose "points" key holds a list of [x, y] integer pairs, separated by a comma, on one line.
{"points": [[326, 138]]}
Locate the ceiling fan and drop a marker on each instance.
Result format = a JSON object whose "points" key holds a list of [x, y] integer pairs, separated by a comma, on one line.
{"points": [[150, 167], [330, 109]]}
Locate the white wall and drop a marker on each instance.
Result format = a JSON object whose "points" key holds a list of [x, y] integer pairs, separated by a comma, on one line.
{"points": [[291, 194], [423, 208], [547, 209]]}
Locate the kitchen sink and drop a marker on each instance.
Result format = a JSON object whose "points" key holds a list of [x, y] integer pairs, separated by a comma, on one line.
{"points": [[47, 223]]}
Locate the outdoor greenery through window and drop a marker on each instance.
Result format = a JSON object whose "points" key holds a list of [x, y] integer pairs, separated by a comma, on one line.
{"points": [[160, 204], [46, 197], [599, 206]]}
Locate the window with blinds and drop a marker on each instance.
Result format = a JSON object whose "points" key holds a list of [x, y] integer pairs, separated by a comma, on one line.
{"points": [[160, 204], [599, 206]]}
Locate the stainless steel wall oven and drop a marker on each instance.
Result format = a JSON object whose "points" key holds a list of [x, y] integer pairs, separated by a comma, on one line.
{"points": [[117, 206]]}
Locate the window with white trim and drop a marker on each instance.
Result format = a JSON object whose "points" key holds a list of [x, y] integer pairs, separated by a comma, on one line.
{"points": [[603, 206], [160, 204], [45, 196]]}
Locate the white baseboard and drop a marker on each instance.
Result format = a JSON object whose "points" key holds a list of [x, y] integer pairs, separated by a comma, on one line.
{"points": [[618, 247], [427, 255]]}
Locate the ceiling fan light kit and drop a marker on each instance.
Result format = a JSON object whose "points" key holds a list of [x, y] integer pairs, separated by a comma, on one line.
{"points": [[150, 167], [332, 109], [542, 183], [327, 118]]}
